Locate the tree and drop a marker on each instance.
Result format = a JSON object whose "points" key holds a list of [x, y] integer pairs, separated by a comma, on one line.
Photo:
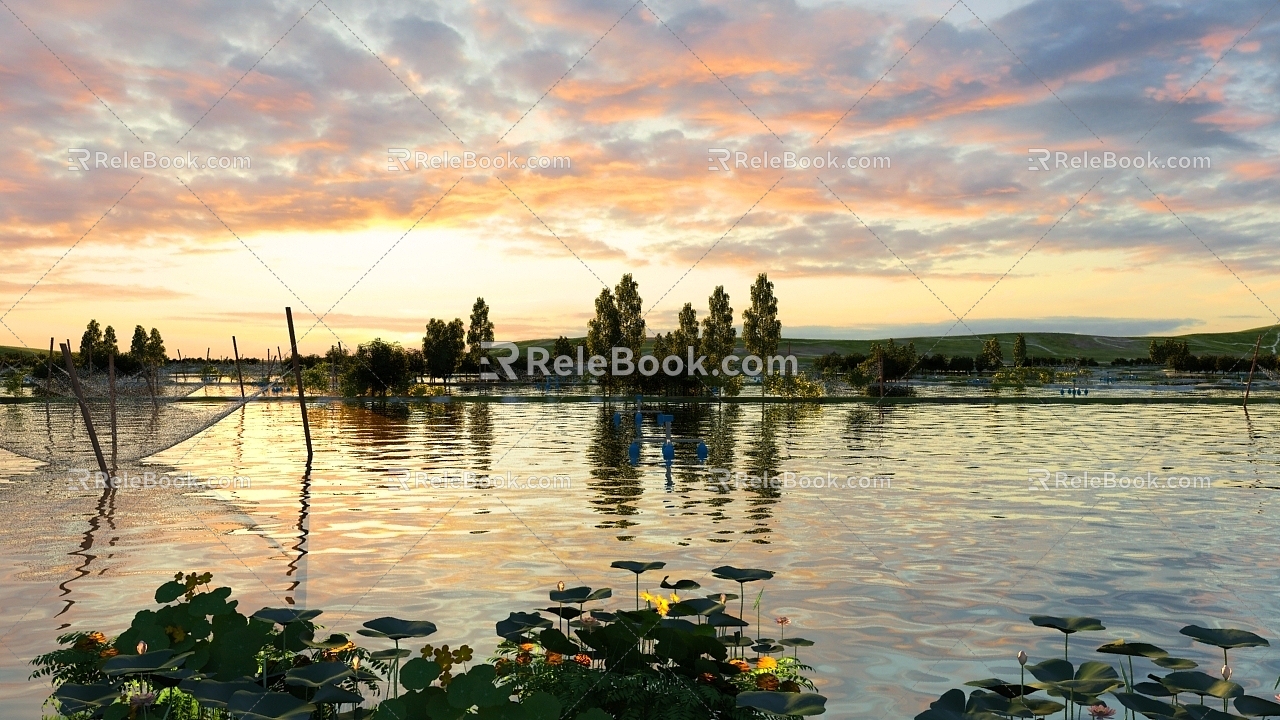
{"points": [[992, 356], [443, 347], [379, 368], [90, 340], [718, 333], [563, 347], [686, 336], [604, 331], [630, 314], [1019, 351], [480, 331], [155, 349], [761, 330], [110, 346], [138, 346]]}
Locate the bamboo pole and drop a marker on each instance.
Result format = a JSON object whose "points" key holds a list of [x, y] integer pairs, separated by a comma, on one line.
{"points": [[1252, 367], [239, 375], [297, 377], [48, 390], [84, 408], [111, 383]]}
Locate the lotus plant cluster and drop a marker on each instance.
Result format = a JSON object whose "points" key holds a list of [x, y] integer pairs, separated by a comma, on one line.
{"points": [[197, 657], [1182, 692]]}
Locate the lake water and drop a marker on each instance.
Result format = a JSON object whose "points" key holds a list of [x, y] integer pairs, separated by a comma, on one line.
{"points": [[912, 581]]}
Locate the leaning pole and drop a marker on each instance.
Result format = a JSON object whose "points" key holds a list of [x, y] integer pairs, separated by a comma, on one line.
{"points": [[297, 378]]}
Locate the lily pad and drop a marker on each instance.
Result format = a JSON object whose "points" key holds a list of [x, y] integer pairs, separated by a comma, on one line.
{"points": [[1204, 712], [154, 661], [1145, 706], [333, 695], [721, 619], [1002, 688], [74, 699], [1194, 681], [518, 623], [284, 616], [1225, 638], [318, 674], [1173, 663], [567, 613], [637, 567], [212, 693], [268, 706], [679, 584], [780, 703], [397, 629], [1133, 649], [1067, 625], [741, 575], [1154, 689], [796, 642], [695, 606], [1251, 706], [390, 654]]}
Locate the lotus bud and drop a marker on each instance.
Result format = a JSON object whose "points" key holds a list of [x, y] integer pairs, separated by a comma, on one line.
{"points": [[1022, 657], [560, 586], [142, 647], [1226, 672], [355, 663]]}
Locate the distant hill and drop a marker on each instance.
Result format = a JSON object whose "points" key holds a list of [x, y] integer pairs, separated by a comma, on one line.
{"points": [[1102, 348]]}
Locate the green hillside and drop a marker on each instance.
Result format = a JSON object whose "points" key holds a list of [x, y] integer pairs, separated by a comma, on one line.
{"points": [[1099, 347]]}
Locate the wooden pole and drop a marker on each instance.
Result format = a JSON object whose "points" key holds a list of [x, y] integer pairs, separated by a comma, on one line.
{"points": [[297, 377], [48, 390], [111, 383], [1249, 384], [239, 375], [84, 408]]}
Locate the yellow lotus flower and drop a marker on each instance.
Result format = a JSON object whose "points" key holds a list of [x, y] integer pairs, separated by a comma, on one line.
{"points": [[766, 663]]}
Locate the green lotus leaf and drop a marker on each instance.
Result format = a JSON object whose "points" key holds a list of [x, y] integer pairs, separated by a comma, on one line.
{"points": [[318, 674], [1145, 706], [248, 705], [334, 641], [736, 640], [721, 619], [679, 624], [780, 703], [1052, 670], [397, 629], [1225, 638], [571, 595], [555, 641], [740, 575], [599, 594], [334, 695], [1154, 689], [796, 642], [212, 693], [1173, 663], [517, 623], [393, 709], [594, 714], [169, 592], [1203, 712], [476, 687], [1194, 681], [390, 654], [603, 616], [1035, 707], [154, 661], [952, 706], [567, 613], [1067, 625], [1001, 687], [1251, 706], [284, 616], [695, 606], [727, 596], [984, 701], [766, 648], [74, 699], [1133, 649], [419, 673], [637, 567], [679, 584]]}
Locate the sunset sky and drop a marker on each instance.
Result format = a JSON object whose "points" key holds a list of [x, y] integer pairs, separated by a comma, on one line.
{"points": [[953, 93]]}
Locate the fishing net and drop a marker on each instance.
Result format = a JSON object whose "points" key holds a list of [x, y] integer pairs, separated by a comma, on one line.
{"points": [[152, 411]]}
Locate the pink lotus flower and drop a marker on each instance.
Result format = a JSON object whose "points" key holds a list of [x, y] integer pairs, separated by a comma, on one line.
{"points": [[1101, 711]]}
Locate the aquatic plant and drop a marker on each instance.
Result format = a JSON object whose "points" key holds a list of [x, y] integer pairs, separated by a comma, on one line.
{"points": [[197, 657], [1080, 689]]}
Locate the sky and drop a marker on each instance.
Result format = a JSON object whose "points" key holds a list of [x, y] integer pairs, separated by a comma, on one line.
{"points": [[940, 225]]}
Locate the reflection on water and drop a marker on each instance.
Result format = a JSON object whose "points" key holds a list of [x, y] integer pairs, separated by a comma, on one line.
{"points": [[909, 589]]}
